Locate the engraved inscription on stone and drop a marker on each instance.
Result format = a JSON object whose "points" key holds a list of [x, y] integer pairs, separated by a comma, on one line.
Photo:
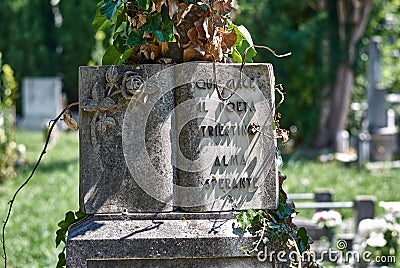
{"points": [[233, 139], [155, 138]]}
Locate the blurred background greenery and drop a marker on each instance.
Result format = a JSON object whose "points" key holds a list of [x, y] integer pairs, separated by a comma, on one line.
{"points": [[53, 38], [47, 38], [30, 233]]}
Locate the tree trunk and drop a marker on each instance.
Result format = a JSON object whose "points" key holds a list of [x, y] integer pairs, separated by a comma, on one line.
{"points": [[338, 108], [352, 18]]}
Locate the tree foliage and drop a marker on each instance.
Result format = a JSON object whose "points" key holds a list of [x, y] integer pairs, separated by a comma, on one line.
{"points": [[45, 39], [35, 43], [291, 26], [29, 39], [76, 38], [322, 35], [385, 22], [8, 152]]}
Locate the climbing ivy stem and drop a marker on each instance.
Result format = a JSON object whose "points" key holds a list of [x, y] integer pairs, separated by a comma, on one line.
{"points": [[11, 202]]}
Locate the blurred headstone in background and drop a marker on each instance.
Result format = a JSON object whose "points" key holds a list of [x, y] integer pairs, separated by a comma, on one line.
{"points": [[41, 101], [383, 139]]}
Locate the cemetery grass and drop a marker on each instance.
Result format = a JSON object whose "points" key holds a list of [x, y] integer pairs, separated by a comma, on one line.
{"points": [[345, 181], [42, 203], [53, 190]]}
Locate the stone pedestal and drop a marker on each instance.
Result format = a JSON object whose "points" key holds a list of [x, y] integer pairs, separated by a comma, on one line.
{"points": [[383, 144], [160, 240], [158, 139]]}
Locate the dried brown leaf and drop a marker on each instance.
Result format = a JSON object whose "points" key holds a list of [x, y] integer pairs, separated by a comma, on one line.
{"points": [[165, 60], [191, 54], [173, 6], [150, 51], [159, 4], [282, 134], [207, 27], [224, 7], [148, 36], [208, 57], [228, 40], [142, 19], [163, 47], [133, 22], [215, 48], [190, 44], [153, 7], [193, 36], [201, 34], [178, 38], [184, 13], [70, 122]]}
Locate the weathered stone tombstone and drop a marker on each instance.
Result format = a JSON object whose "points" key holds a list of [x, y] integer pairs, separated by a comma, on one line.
{"points": [[164, 162], [383, 142], [342, 141], [41, 100]]}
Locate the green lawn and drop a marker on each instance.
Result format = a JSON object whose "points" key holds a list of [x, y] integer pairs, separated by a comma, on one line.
{"points": [[54, 190], [345, 182], [43, 202]]}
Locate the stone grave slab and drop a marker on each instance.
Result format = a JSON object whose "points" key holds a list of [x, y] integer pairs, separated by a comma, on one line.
{"points": [[41, 101], [226, 155], [163, 159], [106, 183], [155, 138]]}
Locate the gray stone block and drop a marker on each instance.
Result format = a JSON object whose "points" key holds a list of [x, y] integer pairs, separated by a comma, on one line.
{"points": [[227, 148], [157, 137], [162, 240], [106, 183]]}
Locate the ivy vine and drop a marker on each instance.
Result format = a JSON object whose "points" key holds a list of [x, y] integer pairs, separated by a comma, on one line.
{"points": [[276, 226], [70, 219]]}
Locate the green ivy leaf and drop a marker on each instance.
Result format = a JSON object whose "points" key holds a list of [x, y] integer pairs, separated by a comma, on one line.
{"points": [[60, 236], [120, 18], [69, 218], [257, 219], [152, 23], [302, 239], [243, 42], [284, 210], [62, 224], [80, 214], [145, 4], [243, 34], [236, 55], [61, 260], [114, 57], [135, 38], [166, 34], [100, 22], [126, 55], [109, 8], [243, 221], [111, 56], [120, 42]]}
